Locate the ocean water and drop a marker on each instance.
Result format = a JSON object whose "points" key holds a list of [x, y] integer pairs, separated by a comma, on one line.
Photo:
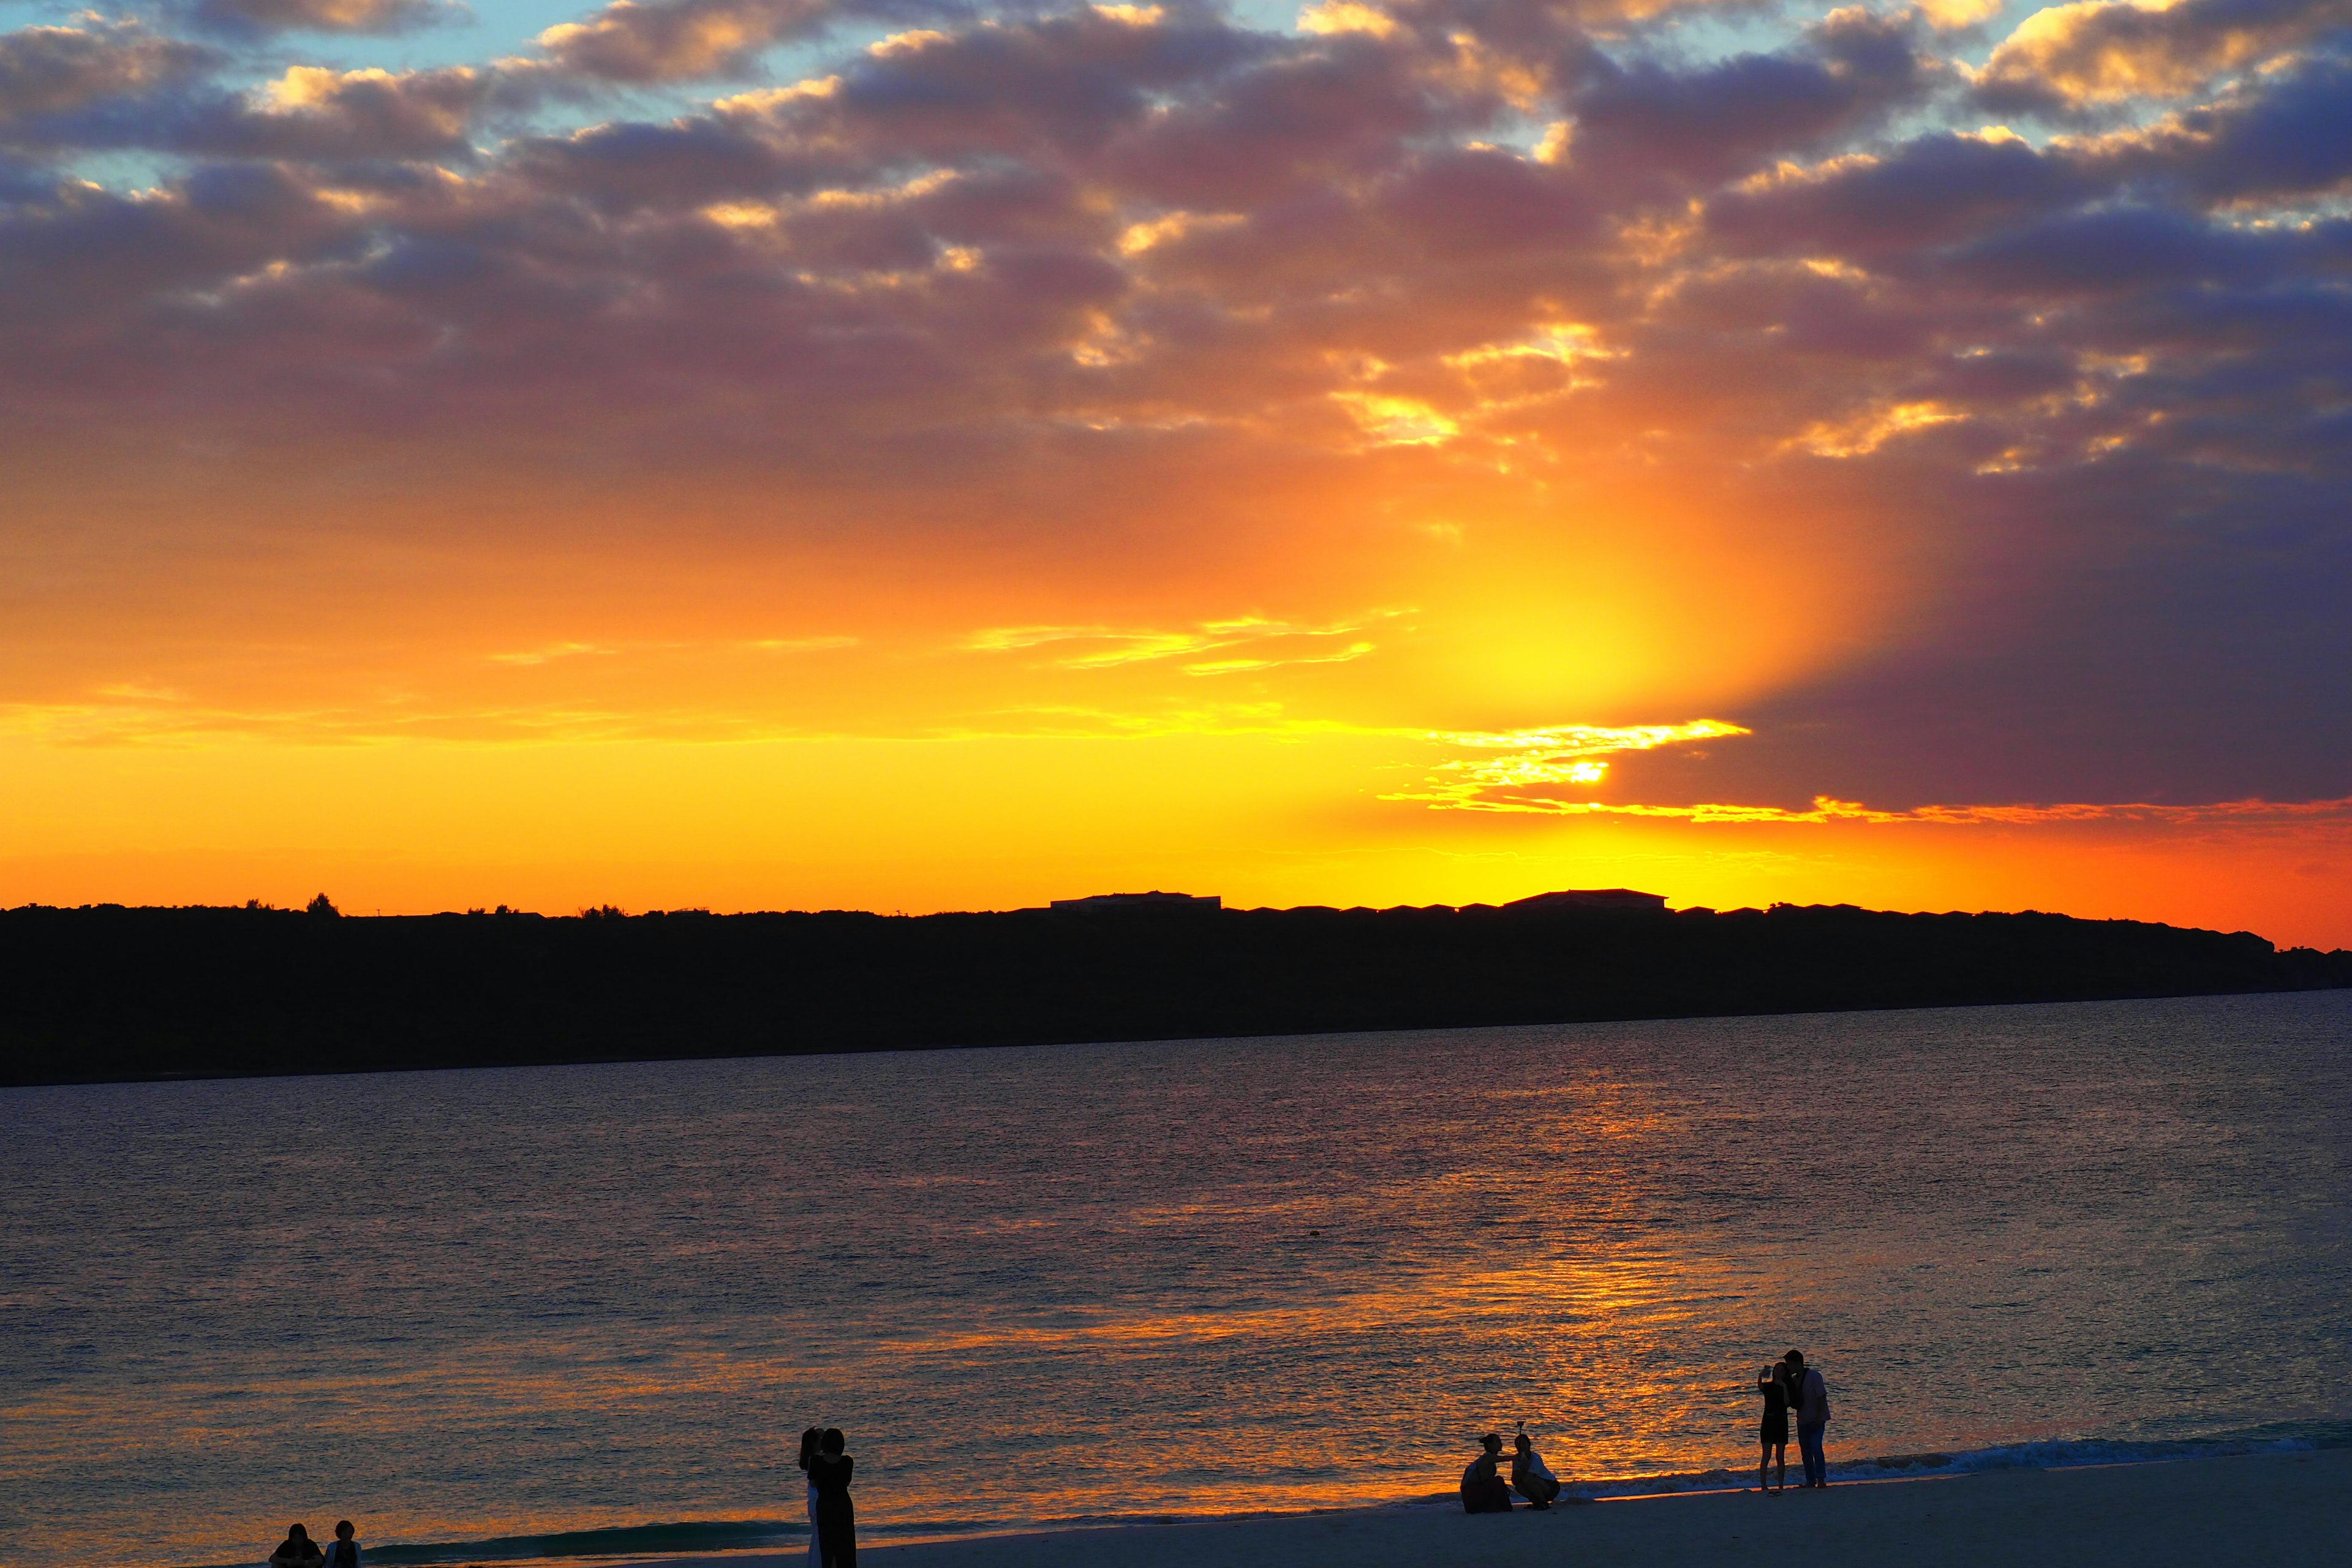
{"points": [[501, 1313]]}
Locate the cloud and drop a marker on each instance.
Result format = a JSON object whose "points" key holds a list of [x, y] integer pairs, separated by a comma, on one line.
{"points": [[1554, 773], [49, 72], [322, 16], [1712, 123], [644, 41], [107, 87], [2096, 53], [1826, 810], [550, 652], [314, 114], [2288, 134], [1250, 642], [1540, 763], [1928, 192]]}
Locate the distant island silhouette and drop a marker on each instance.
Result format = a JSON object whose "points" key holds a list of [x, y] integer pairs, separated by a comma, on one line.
{"points": [[104, 992]]}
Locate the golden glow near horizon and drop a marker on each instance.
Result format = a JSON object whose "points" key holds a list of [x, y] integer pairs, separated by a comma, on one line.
{"points": [[1373, 460]]}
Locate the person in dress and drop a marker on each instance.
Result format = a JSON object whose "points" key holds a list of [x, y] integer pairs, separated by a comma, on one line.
{"points": [[1811, 1398], [808, 1459], [1530, 1477], [1483, 1491], [837, 1520], [345, 1552], [1772, 1383], [297, 1551]]}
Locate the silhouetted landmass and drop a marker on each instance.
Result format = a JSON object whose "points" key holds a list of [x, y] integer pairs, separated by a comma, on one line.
{"points": [[108, 993]]}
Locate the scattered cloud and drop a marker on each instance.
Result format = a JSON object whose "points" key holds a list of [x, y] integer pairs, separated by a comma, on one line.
{"points": [[802, 645], [1540, 760], [1269, 643], [1826, 810], [1553, 772]]}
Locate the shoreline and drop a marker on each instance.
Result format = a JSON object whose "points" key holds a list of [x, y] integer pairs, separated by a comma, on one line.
{"points": [[2274, 1508], [514, 991], [754, 1539], [512, 1064]]}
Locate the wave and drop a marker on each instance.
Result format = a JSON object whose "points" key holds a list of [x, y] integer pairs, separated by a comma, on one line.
{"points": [[705, 1537]]}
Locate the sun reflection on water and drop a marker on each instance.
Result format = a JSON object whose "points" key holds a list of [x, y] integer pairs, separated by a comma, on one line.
{"points": [[1148, 1280]]}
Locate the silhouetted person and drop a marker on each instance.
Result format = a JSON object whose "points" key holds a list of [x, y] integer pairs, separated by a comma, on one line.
{"points": [[345, 1552], [1483, 1491], [836, 1521], [299, 1551], [807, 1459], [1772, 1383], [1530, 1477], [1811, 1396]]}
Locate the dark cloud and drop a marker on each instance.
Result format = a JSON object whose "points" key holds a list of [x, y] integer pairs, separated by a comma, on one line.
{"points": [[310, 115], [50, 73], [1931, 191], [1710, 124], [2112, 250], [2290, 135]]}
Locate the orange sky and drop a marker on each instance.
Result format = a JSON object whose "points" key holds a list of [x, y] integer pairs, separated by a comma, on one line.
{"points": [[1412, 454]]}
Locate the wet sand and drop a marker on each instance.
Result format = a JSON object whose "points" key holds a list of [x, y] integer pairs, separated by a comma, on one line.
{"points": [[2266, 1511]]}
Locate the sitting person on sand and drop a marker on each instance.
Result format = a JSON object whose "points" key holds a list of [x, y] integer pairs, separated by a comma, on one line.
{"points": [[1483, 1491], [837, 1520], [345, 1552], [299, 1551], [1530, 1477]]}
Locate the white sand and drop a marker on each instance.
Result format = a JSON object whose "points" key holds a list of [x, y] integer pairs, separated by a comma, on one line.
{"points": [[2267, 1511]]}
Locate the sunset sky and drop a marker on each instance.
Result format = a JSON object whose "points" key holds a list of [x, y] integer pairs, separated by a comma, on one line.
{"points": [[911, 455]]}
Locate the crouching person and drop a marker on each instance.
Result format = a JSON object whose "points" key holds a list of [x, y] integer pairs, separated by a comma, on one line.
{"points": [[1483, 1491], [1530, 1477]]}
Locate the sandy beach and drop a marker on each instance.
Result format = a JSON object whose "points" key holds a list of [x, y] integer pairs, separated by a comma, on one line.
{"points": [[2257, 1511]]}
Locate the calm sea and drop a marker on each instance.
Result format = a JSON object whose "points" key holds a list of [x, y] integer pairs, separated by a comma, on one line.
{"points": [[1061, 1283]]}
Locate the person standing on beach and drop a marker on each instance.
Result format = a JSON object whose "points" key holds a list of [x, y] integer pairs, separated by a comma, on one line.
{"points": [[837, 1520], [1772, 1383], [808, 1459], [1811, 1396]]}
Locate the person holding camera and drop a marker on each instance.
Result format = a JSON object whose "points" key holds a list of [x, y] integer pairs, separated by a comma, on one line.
{"points": [[837, 1520]]}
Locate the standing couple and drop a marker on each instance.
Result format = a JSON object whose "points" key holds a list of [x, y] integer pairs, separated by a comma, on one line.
{"points": [[832, 1523], [1790, 1386]]}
